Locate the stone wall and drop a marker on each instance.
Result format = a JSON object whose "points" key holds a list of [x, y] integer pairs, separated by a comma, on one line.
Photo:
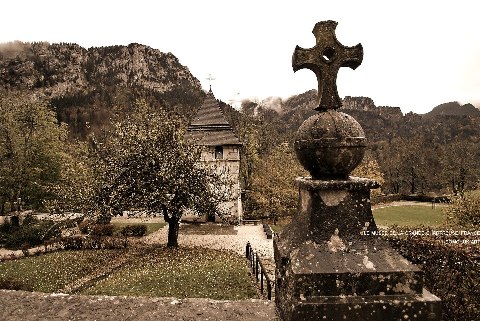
{"points": [[228, 167]]}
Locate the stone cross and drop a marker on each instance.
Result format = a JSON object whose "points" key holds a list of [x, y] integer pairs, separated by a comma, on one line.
{"points": [[210, 79], [325, 59], [329, 263]]}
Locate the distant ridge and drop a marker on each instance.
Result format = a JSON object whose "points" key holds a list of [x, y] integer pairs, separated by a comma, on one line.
{"points": [[454, 108]]}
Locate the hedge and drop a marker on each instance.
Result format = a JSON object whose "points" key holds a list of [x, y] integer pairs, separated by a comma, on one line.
{"points": [[134, 230], [452, 271]]}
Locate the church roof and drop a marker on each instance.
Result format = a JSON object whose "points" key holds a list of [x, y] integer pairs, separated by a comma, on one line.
{"points": [[209, 127]]}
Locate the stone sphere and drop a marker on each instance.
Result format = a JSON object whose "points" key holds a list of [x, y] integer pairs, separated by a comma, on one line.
{"points": [[330, 145]]}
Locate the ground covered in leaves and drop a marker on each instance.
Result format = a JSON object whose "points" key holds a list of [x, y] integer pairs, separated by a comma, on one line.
{"points": [[206, 229], [155, 271], [181, 273], [53, 271]]}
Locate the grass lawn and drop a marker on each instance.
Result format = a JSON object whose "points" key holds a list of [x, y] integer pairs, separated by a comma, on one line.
{"points": [[52, 271], [277, 228], [403, 215], [409, 215], [151, 227], [182, 273]]}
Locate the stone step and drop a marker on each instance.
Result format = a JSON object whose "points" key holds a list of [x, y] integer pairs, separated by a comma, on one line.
{"points": [[424, 306]]}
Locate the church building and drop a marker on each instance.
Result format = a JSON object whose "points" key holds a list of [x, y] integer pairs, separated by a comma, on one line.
{"points": [[210, 129]]}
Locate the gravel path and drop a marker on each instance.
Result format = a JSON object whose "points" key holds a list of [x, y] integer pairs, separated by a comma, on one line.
{"points": [[245, 233]]}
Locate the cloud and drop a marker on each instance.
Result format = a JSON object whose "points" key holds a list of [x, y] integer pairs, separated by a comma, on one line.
{"points": [[274, 103]]}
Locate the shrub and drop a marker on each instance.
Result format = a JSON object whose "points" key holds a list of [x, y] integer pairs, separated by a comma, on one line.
{"points": [[110, 243], [71, 242], [71, 222], [86, 226], [6, 227], [102, 230], [134, 230], [103, 219], [30, 220], [31, 235], [230, 220], [88, 242], [451, 273], [92, 228], [465, 210], [9, 284]]}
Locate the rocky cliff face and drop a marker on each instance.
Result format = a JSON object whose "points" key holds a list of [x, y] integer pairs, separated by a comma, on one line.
{"points": [[58, 68], [358, 103], [77, 80], [367, 104]]}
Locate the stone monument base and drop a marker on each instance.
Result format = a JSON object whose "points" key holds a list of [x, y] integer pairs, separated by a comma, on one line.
{"points": [[330, 267], [371, 308]]}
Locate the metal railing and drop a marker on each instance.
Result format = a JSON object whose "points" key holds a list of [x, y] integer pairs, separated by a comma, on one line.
{"points": [[258, 269]]}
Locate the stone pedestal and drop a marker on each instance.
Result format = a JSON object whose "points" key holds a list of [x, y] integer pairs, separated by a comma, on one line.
{"points": [[329, 266]]}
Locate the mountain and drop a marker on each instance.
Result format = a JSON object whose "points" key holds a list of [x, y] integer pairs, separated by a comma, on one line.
{"points": [[84, 84], [384, 123], [454, 108], [416, 153]]}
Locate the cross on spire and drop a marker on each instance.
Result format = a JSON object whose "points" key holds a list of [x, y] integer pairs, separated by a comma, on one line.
{"points": [[325, 59], [210, 78]]}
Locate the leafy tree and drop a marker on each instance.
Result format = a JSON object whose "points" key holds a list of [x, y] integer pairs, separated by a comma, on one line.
{"points": [[388, 154], [31, 143], [246, 129], [412, 164], [408, 163], [146, 163], [369, 168], [460, 170], [273, 185], [75, 186], [250, 157]]}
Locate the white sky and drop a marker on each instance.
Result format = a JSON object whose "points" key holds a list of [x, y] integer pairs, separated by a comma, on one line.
{"points": [[417, 54]]}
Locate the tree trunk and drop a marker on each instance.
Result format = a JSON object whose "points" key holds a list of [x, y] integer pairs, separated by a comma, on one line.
{"points": [[463, 175], [173, 228], [412, 182]]}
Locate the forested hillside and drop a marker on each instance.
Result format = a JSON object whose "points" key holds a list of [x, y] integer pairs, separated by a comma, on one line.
{"points": [[433, 153], [85, 84]]}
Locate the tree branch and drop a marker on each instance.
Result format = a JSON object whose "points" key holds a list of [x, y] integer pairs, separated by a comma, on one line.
{"points": [[165, 214]]}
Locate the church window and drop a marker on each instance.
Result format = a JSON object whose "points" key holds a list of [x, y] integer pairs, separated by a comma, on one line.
{"points": [[218, 152]]}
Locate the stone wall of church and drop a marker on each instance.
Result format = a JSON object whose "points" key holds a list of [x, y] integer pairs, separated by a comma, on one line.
{"points": [[225, 161], [230, 153]]}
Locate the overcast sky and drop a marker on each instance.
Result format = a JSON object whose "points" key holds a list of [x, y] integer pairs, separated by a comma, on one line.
{"points": [[417, 54]]}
